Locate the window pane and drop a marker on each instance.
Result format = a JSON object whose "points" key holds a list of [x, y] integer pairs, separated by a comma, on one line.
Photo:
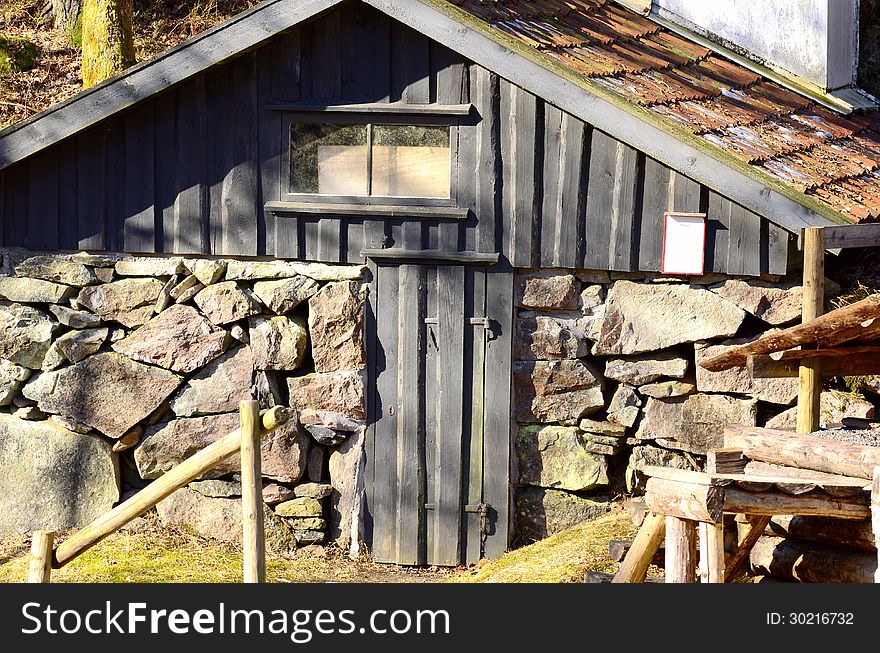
{"points": [[410, 161], [328, 159]]}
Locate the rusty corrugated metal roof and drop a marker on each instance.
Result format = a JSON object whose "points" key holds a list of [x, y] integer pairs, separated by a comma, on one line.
{"points": [[834, 158]]}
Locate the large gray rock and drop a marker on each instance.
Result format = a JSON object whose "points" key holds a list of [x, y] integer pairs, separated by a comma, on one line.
{"points": [[74, 319], [216, 488], [299, 507], [129, 302], [274, 493], [11, 378], [557, 457], [548, 290], [218, 387], [552, 391], [540, 512], [738, 380], [551, 337], [52, 479], [774, 304], [283, 452], [252, 270], [220, 519], [226, 302], [643, 317], [833, 407], [624, 406], [645, 455], [694, 423], [206, 271], [22, 289], [25, 335], [640, 370], [347, 468], [336, 325], [286, 294], [338, 392], [667, 389], [178, 339], [107, 391], [278, 343], [77, 345], [158, 266], [56, 270]]}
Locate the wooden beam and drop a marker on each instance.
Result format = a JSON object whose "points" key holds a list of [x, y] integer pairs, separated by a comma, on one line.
{"points": [[635, 564], [809, 372], [685, 500], [361, 211], [803, 451], [712, 546], [848, 235], [177, 477], [396, 108], [725, 461], [734, 566], [858, 320], [430, 256], [681, 550], [778, 503], [254, 538], [40, 569], [844, 361]]}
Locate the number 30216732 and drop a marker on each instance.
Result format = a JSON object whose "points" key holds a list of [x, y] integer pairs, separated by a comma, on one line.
{"points": [[810, 618]]}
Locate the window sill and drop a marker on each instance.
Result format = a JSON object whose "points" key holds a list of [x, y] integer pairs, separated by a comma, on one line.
{"points": [[357, 211]]}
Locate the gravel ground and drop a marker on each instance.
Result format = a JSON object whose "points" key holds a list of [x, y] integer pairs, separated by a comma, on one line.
{"points": [[866, 437]]}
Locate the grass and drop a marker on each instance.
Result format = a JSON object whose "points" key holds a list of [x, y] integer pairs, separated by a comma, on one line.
{"points": [[150, 553]]}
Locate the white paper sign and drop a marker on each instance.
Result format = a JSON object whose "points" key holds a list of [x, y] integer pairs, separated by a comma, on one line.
{"points": [[684, 243]]}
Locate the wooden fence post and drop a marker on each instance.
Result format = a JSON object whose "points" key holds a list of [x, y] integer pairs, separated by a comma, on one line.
{"points": [[809, 372], [681, 550], [252, 494], [40, 568]]}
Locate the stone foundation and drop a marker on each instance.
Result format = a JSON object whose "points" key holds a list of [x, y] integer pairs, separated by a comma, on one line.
{"points": [[115, 368], [606, 382]]}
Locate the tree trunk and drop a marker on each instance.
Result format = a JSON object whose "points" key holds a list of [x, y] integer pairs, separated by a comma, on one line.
{"points": [[108, 47], [65, 13]]}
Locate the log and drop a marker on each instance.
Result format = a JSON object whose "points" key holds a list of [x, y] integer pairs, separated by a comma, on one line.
{"points": [[617, 550], [713, 549], [681, 550], [778, 503], [833, 484], [803, 451], [253, 540], [40, 568], [811, 563], [809, 372], [635, 564], [849, 364], [685, 500], [856, 534], [187, 471], [734, 566], [858, 320]]}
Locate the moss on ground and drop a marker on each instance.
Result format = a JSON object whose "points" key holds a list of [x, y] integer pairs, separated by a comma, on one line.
{"points": [[17, 55], [563, 558], [152, 554]]}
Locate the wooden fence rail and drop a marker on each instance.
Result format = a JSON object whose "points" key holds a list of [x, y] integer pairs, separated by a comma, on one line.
{"points": [[245, 440]]}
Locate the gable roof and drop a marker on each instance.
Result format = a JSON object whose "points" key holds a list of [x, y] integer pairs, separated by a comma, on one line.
{"points": [[574, 54]]}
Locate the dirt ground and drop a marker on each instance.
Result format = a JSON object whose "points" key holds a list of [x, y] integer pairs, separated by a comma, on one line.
{"points": [[149, 553]]}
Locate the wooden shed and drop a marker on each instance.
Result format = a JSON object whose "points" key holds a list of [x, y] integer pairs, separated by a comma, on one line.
{"points": [[447, 145]]}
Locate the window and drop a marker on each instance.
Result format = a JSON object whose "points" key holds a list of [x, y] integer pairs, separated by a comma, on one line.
{"points": [[370, 160]]}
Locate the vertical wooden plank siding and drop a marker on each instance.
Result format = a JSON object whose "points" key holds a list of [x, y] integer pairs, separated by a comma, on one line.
{"points": [[600, 201], [324, 58], [435, 411], [114, 179], [777, 248], [623, 208], [218, 96], [3, 213], [139, 230], [519, 153], [68, 196], [239, 209], [485, 96], [447, 473], [42, 189], [190, 204], [384, 508], [655, 201], [570, 208], [90, 148], [551, 185], [474, 413]]}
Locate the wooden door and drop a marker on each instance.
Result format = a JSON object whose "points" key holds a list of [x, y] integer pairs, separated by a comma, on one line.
{"points": [[438, 443]]}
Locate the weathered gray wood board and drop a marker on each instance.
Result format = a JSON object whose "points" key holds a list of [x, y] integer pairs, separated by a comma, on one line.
{"points": [[190, 169], [438, 444]]}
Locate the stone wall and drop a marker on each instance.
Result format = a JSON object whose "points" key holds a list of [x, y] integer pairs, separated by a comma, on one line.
{"points": [[113, 369], [606, 382]]}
